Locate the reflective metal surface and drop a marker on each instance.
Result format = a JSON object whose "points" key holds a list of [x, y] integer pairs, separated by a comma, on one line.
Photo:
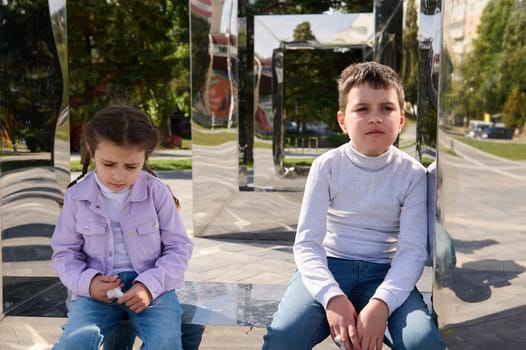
{"points": [[215, 153], [250, 193], [34, 152], [348, 35], [481, 214], [229, 304]]}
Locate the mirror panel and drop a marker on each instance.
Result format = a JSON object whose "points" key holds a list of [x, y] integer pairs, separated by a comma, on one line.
{"points": [[287, 49], [215, 152], [34, 163], [480, 218]]}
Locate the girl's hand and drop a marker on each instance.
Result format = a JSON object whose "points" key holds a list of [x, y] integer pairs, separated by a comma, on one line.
{"points": [[137, 298], [371, 324], [341, 316], [100, 284]]}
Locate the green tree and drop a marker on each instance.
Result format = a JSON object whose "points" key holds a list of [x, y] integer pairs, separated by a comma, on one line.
{"points": [[134, 52], [310, 81], [479, 70], [512, 67], [409, 66], [32, 77], [514, 115], [303, 32]]}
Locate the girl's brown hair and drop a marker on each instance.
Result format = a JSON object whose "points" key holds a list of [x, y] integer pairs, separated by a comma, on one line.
{"points": [[122, 125]]}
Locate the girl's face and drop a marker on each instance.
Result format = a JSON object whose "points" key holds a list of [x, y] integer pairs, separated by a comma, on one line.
{"points": [[372, 119], [118, 166]]}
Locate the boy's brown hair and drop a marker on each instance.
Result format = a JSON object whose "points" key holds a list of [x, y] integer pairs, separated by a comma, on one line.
{"points": [[376, 75]]}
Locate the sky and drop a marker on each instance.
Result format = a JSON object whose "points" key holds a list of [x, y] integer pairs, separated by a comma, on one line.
{"points": [[352, 28]]}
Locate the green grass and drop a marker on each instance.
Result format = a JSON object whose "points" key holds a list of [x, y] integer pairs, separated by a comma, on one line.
{"points": [[449, 151], [264, 145], [508, 150], [187, 144], [156, 164], [288, 162], [208, 137], [427, 161]]}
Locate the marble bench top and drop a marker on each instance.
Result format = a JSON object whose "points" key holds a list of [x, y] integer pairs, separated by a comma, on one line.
{"points": [[204, 303], [229, 304]]}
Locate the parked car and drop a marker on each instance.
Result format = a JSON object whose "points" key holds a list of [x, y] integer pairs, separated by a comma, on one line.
{"points": [[477, 130], [497, 132]]}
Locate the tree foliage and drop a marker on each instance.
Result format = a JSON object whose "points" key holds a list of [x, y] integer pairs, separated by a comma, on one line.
{"points": [[32, 88], [493, 75], [310, 81], [303, 32], [133, 52], [409, 66]]}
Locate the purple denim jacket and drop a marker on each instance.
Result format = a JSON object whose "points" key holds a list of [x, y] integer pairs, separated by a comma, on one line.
{"points": [[153, 232]]}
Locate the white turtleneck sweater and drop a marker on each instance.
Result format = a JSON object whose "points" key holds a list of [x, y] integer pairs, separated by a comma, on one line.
{"points": [[114, 202], [363, 208]]}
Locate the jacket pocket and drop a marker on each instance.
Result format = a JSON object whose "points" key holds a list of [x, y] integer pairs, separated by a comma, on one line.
{"points": [[148, 227], [147, 242], [91, 228], [95, 236]]}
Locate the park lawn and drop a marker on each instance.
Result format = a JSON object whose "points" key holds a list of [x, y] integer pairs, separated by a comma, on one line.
{"points": [[503, 149], [289, 162], [156, 164]]}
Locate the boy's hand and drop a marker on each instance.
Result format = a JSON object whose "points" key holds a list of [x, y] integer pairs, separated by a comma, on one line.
{"points": [[100, 284], [137, 298], [371, 324], [341, 316]]}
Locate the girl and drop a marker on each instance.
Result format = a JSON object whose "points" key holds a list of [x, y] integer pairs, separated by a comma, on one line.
{"points": [[119, 227]]}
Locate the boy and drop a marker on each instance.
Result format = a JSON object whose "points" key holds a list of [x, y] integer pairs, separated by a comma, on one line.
{"points": [[361, 240]]}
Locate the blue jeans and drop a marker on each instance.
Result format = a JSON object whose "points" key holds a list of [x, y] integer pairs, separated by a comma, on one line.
{"points": [[301, 323], [123, 337], [89, 321]]}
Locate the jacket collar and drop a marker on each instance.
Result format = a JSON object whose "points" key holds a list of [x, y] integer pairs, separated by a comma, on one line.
{"points": [[88, 190]]}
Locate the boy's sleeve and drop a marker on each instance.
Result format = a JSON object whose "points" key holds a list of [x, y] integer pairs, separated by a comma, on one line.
{"points": [[309, 253], [409, 259]]}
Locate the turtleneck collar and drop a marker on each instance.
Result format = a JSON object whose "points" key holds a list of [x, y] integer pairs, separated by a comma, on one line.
{"points": [[106, 190], [367, 162]]}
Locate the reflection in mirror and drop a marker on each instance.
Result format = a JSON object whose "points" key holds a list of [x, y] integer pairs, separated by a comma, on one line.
{"points": [[297, 59], [215, 154], [271, 205], [481, 176], [286, 86], [34, 152]]}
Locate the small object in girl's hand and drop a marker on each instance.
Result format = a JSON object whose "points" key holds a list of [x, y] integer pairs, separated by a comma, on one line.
{"points": [[338, 340], [114, 293]]}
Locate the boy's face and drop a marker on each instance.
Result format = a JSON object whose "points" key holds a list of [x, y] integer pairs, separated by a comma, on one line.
{"points": [[372, 119]]}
